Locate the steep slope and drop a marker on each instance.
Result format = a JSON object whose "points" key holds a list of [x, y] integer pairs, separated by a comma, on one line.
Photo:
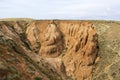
{"points": [[17, 59], [13, 66], [72, 44], [59, 50], [81, 45], [108, 65]]}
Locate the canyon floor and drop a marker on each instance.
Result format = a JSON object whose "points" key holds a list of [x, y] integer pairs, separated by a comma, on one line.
{"points": [[59, 49]]}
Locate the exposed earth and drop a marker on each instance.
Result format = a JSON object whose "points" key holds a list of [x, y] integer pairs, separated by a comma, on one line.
{"points": [[59, 50]]}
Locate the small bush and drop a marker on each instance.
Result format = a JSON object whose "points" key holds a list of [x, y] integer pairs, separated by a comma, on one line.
{"points": [[37, 78]]}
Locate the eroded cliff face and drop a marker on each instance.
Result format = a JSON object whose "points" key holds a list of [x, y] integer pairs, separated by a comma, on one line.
{"points": [[81, 39], [70, 46], [59, 50]]}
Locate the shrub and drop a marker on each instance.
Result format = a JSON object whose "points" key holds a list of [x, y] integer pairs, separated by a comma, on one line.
{"points": [[37, 78]]}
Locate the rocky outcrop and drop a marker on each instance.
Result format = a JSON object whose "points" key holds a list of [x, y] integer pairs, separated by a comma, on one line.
{"points": [[81, 45], [74, 42], [51, 41]]}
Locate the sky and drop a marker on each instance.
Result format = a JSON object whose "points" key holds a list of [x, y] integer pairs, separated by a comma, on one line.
{"points": [[61, 9]]}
